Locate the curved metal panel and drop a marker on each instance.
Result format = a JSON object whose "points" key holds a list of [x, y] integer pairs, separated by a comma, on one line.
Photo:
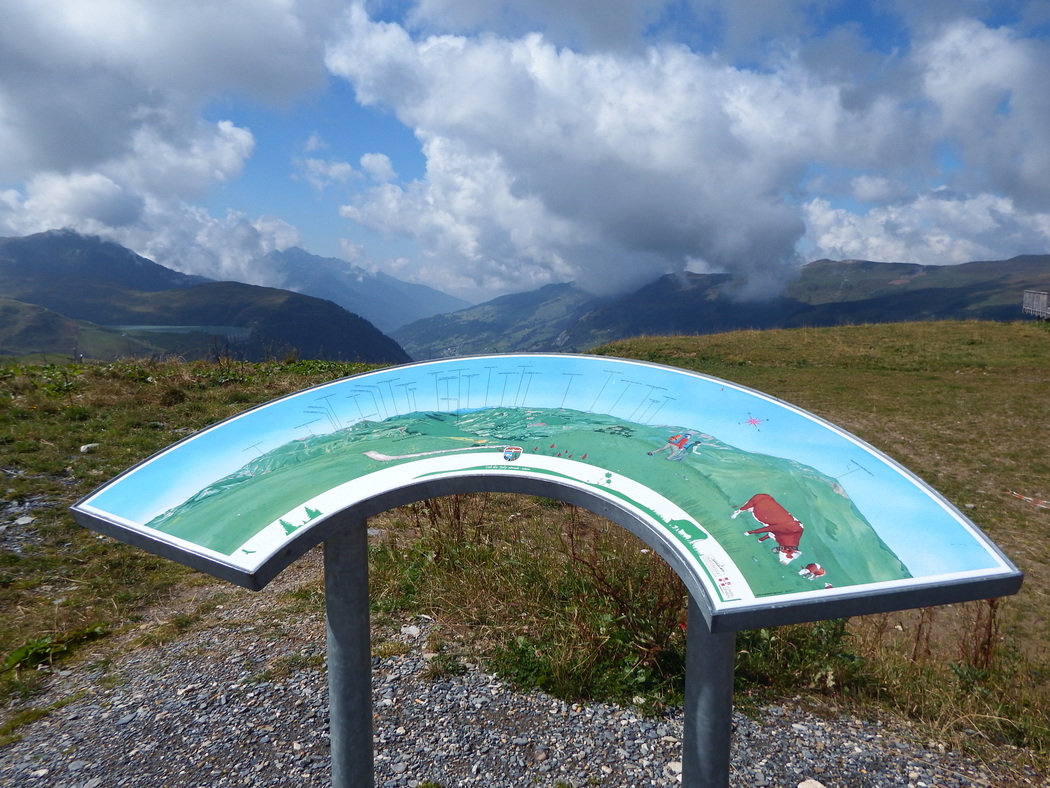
{"points": [[768, 513]]}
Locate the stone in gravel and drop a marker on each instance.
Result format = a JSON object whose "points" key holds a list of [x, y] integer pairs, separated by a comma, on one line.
{"points": [[810, 784]]}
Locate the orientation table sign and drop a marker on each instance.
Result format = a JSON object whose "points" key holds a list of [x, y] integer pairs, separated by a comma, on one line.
{"points": [[768, 513]]}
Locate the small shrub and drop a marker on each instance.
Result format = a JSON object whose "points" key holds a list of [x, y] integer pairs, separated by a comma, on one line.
{"points": [[816, 656], [51, 648], [443, 666], [172, 395], [78, 413]]}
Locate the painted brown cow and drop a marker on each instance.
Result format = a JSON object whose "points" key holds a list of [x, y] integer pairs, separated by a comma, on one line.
{"points": [[777, 524], [812, 571]]}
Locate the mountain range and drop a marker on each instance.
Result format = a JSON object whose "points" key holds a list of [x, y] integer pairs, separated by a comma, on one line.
{"points": [[383, 300], [564, 318], [62, 292], [65, 293]]}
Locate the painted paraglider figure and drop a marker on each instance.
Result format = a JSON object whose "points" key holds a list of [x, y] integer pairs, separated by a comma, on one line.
{"points": [[675, 444], [682, 453], [693, 447], [777, 524]]}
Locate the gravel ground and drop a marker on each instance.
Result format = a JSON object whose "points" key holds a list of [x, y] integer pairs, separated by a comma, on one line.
{"points": [[243, 702]]}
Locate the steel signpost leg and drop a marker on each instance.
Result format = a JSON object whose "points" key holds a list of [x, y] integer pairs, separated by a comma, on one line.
{"points": [[349, 656], [708, 704]]}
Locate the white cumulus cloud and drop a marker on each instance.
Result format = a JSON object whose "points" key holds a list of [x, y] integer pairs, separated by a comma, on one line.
{"points": [[378, 166], [101, 125], [938, 228], [608, 168], [551, 141], [607, 164]]}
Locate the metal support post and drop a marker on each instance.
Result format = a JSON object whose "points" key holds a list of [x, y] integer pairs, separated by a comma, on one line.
{"points": [[708, 704], [349, 656]]}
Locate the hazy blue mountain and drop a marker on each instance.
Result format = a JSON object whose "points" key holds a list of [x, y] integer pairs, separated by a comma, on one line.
{"points": [[383, 300], [538, 320], [826, 293]]}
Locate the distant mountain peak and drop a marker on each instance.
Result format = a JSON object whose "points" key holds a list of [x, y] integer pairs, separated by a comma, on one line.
{"points": [[384, 300], [86, 278], [69, 256]]}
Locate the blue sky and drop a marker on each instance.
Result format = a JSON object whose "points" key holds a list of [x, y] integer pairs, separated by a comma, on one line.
{"points": [[493, 147]]}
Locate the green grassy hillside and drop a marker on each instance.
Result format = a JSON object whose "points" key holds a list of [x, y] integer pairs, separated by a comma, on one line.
{"points": [[28, 328]]}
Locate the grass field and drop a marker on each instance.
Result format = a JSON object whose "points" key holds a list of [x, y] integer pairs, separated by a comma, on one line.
{"points": [[964, 405]]}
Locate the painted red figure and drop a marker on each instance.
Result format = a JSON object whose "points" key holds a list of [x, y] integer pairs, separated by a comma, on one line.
{"points": [[777, 523], [812, 571]]}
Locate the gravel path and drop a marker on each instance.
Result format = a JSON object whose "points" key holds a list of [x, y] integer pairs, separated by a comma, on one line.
{"points": [[244, 703]]}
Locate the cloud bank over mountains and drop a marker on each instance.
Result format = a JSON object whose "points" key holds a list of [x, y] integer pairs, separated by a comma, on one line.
{"points": [[558, 144]]}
